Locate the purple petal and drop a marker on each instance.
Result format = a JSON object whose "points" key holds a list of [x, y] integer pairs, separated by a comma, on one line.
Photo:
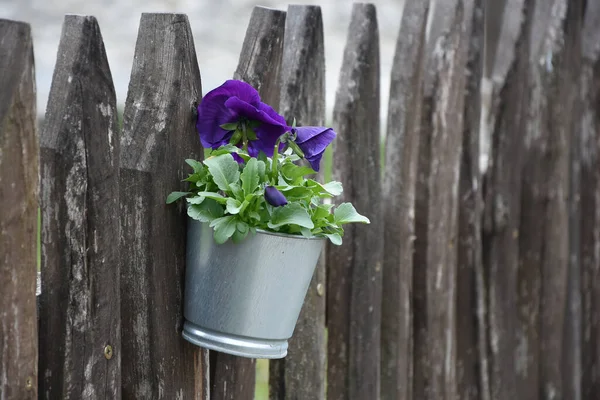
{"points": [[274, 197], [272, 125], [267, 109], [239, 89], [212, 111], [267, 136], [251, 111], [313, 140]]}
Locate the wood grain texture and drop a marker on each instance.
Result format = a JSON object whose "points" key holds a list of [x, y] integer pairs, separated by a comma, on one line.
{"points": [[590, 203], [301, 374], [260, 66], [79, 304], [435, 328], [471, 333], [502, 213], [421, 207], [544, 233], [402, 149], [158, 134], [261, 55], [354, 269], [19, 182]]}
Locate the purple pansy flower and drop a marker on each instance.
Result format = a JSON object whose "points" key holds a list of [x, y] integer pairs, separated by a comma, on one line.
{"points": [[313, 140], [236, 102], [274, 197]]}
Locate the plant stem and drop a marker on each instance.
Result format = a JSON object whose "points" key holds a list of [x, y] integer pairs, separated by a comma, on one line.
{"points": [[244, 138], [275, 162]]}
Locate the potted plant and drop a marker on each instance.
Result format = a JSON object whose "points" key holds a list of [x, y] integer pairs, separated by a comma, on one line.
{"points": [[257, 224]]}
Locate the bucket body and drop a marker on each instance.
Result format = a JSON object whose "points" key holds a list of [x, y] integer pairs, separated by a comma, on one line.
{"points": [[244, 299]]}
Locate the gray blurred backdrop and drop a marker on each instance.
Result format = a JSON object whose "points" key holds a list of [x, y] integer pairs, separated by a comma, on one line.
{"points": [[219, 27]]}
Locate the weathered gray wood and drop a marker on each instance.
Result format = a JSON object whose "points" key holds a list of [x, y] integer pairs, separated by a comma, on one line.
{"points": [[261, 55], [435, 326], [509, 114], [158, 134], [590, 203], [494, 18], [402, 149], [572, 344], [260, 66], [79, 304], [301, 374], [471, 334], [354, 269], [18, 219], [544, 232], [441, 22], [232, 377]]}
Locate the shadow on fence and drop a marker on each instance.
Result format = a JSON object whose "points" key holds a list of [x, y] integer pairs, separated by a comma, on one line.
{"points": [[470, 283]]}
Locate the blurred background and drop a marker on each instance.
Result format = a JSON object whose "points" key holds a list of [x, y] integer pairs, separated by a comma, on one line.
{"points": [[219, 27]]}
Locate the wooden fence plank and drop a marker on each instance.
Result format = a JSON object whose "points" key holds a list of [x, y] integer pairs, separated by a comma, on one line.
{"points": [[354, 269], [301, 375], [18, 220], [79, 305], [442, 22], [544, 235], [435, 328], [158, 134], [260, 66], [402, 149], [471, 334], [508, 117], [590, 203], [571, 351]]}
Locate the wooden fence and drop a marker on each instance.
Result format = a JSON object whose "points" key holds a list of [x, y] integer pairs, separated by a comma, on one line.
{"points": [[473, 281]]}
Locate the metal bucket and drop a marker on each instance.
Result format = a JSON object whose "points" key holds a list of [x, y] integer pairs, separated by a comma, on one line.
{"points": [[244, 299]]}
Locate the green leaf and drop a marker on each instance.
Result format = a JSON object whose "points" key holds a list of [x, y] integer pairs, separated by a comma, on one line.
{"points": [[254, 215], [250, 176], [224, 228], [293, 171], [263, 157], [242, 230], [322, 211], [334, 237], [229, 149], [174, 196], [237, 191], [232, 126], [195, 199], [233, 206], [196, 165], [292, 213], [328, 190], [335, 188], [224, 170], [205, 212], [208, 195], [261, 170], [236, 137], [296, 192], [307, 233], [197, 178], [345, 213], [254, 124], [250, 134]]}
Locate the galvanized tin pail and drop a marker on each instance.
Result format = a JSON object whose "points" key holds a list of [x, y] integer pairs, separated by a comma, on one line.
{"points": [[244, 299]]}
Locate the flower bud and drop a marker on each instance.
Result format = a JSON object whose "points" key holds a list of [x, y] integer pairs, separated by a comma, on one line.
{"points": [[274, 197]]}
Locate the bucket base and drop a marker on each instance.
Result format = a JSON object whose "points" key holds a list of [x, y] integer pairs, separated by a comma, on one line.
{"points": [[234, 344]]}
